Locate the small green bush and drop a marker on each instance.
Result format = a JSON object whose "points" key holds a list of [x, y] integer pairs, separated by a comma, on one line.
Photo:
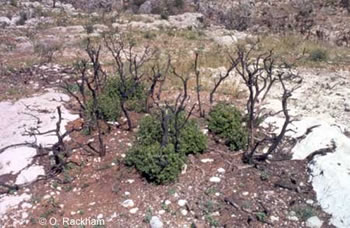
{"points": [[192, 140], [226, 122], [318, 55], [135, 94], [157, 164], [163, 164], [108, 107]]}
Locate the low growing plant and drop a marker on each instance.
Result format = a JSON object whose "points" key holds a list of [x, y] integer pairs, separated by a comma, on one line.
{"points": [[162, 163], [226, 122]]}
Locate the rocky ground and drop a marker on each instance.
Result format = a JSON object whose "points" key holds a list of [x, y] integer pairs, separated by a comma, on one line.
{"points": [[215, 189]]}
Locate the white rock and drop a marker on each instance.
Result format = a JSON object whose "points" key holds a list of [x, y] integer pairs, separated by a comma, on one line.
{"points": [[331, 188], [156, 222], [46, 197], [274, 218], [181, 202], [314, 222], [207, 160], [4, 21], [134, 210], [25, 215], [26, 205], [310, 202], [221, 170], [293, 218], [100, 216], [128, 203], [167, 202], [215, 179], [161, 212], [245, 193], [130, 181], [184, 212]]}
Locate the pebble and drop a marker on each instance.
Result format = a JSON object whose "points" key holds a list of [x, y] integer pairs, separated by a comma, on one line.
{"points": [[25, 215], [310, 202], [207, 160], [134, 210], [221, 170], [314, 222], [181, 202], [184, 212], [128, 203], [100, 216], [274, 218], [156, 222], [167, 202], [215, 179]]}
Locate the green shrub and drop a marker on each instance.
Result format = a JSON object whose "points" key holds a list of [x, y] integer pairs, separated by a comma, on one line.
{"points": [[163, 164], [135, 94], [108, 104], [226, 122], [108, 107], [318, 55], [157, 164], [192, 140], [108, 101]]}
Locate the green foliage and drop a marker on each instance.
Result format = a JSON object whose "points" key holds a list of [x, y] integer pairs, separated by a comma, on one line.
{"points": [[158, 164], [164, 15], [318, 55], [108, 106], [135, 93], [192, 140], [226, 122], [179, 3], [108, 102], [163, 164], [304, 212]]}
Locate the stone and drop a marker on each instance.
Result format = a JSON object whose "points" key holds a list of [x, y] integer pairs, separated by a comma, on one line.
{"points": [[167, 202], [184, 212], [156, 222], [221, 170], [182, 203], [4, 22], [128, 203], [215, 179], [310, 202], [134, 210], [274, 218], [314, 222], [207, 160]]}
